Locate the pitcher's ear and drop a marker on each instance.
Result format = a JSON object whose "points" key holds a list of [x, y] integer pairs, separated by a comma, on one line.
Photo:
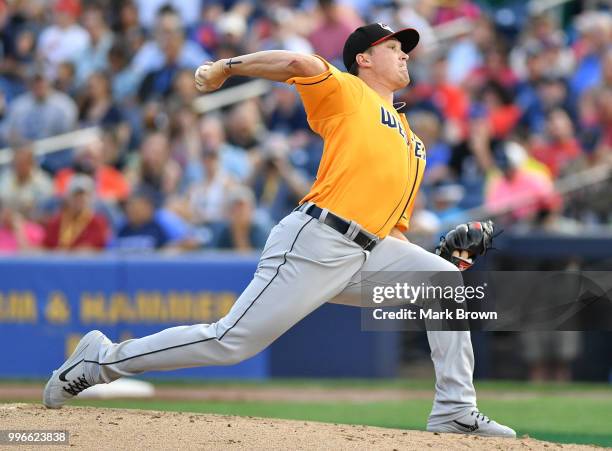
{"points": [[363, 59]]}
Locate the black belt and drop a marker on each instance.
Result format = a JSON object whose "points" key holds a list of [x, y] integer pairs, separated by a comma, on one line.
{"points": [[340, 225]]}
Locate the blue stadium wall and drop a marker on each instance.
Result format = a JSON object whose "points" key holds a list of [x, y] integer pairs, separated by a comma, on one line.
{"points": [[47, 303]]}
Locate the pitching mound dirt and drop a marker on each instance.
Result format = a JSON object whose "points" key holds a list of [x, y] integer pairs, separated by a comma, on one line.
{"points": [[119, 429]]}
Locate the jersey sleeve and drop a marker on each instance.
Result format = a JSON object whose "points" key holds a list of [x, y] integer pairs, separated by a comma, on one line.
{"points": [[328, 94]]}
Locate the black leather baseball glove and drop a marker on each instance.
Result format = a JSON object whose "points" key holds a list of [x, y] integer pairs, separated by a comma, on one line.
{"points": [[474, 237]]}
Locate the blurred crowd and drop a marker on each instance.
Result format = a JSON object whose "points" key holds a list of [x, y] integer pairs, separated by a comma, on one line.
{"points": [[510, 100]]}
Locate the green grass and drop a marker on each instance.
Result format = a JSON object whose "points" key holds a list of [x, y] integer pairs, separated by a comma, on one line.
{"points": [[554, 412], [415, 384]]}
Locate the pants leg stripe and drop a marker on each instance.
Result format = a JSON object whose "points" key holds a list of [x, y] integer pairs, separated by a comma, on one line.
{"points": [[230, 328], [151, 352]]}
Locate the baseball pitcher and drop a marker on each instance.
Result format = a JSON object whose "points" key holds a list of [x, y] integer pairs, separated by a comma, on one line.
{"points": [[352, 220]]}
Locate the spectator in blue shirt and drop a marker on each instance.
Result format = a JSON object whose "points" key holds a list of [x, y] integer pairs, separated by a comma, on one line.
{"points": [[141, 231], [162, 60], [233, 159], [278, 186], [428, 127], [595, 28], [40, 113], [241, 232]]}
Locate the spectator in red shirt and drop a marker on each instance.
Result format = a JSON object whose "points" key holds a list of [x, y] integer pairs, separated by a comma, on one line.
{"points": [[560, 146], [605, 122], [498, 107], [448, 99], [449, 10], [77, 226], [328, 38], [110, 184], [495, 68]]}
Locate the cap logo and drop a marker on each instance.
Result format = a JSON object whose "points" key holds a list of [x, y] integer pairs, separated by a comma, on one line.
{"points": [[385, 26]]}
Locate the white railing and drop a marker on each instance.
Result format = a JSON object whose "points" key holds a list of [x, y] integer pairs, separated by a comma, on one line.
{"points": [[537, 7], [229, 96], [202, 104], [55, 143]]}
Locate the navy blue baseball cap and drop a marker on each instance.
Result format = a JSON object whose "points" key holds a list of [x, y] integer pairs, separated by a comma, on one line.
{"points": [[370, 35]]}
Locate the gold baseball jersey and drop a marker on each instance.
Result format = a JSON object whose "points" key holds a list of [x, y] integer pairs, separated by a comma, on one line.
{"points": [[372, 163]]}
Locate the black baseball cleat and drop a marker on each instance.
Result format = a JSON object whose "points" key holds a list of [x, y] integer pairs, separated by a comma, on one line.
{"points": [[475, 423], [77, 373]]}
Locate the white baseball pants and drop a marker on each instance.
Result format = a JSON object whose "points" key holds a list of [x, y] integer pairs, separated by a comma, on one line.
{"points": [[305, 263]]}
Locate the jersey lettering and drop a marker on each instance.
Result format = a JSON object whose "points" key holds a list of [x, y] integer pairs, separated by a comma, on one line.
{"points": [[398, 171], [387, 118], [419, 147], [419, 150]]}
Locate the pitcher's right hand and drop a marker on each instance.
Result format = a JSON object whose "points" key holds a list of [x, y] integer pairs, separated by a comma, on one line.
{"points": [[210, 76]]}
